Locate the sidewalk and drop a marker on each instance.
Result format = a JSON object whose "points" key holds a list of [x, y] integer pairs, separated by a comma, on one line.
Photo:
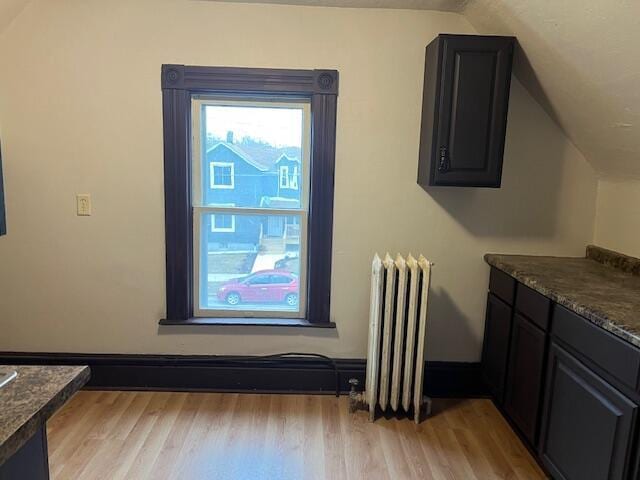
{"points": [[266, 261]]}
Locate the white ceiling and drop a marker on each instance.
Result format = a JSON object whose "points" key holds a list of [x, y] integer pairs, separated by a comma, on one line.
{"points": [[580, 59], [444, 5]]}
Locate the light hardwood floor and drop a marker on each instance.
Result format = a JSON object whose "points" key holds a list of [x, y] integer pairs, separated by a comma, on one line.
{"points": [[156, 435]]}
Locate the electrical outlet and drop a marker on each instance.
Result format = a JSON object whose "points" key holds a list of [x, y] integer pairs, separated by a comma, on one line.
{"points": [[83, 204]]}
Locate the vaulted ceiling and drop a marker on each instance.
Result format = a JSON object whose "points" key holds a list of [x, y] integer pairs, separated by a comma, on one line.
{"points": [[580, 59], [10, 9]]}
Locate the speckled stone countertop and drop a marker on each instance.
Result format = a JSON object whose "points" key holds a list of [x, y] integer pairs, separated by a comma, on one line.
{"points": [[28, 401], [590, 286]]}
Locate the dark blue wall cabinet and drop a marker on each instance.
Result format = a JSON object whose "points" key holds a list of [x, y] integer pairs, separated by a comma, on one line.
{"points": [[3, 221], [464, 110]]}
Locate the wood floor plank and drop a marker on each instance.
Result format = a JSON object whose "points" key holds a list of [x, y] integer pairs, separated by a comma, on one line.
{"points": [[313, 440], [193, 449], [364, 454], [152, 445], [489, 447], [332, 439], [100, 429], [80, 437], [517, 455], [211, 455], [170, 453], [162, 435], [240, 455], [64, 430], [408, 437], [293, 458], [120, 449]]}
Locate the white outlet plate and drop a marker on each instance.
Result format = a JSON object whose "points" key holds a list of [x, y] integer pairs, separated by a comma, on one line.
{"points": [[83, 204]]}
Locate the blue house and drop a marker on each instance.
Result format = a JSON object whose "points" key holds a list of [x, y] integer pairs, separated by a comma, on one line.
{"points": [[252, 174]]}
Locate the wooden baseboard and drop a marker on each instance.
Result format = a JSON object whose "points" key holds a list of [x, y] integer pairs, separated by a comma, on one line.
{"points": [[244, 374]]}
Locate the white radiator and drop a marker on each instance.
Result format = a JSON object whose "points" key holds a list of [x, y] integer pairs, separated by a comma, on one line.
{"points": [[397, 334]]}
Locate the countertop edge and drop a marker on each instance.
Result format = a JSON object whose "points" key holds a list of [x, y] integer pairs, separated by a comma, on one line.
{"points": [[30, 427], [596, 317]]}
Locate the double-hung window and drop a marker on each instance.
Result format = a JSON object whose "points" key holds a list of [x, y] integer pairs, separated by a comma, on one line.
{"points": [[250, 235], [249, 165], [221, 175]]}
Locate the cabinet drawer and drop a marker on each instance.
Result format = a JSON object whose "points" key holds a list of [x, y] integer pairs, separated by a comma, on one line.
{"points": [[534, 306], [502, 285], [608, 352]]}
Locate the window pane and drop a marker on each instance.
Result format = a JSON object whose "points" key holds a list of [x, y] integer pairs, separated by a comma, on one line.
{"points": [[253, 154], [253, 268]]}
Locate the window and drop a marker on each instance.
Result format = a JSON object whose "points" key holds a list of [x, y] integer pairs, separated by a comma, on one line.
{"points": [[287, 180], [238, 246], [254, 225], [221, 175], [223, 223], [284, 176]]}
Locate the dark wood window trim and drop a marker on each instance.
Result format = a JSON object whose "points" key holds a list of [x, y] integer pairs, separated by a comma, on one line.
{"points": [[179, 83]]}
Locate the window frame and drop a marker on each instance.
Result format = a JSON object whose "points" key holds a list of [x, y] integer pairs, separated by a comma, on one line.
{"points": [[212, 168], [179, 83]]}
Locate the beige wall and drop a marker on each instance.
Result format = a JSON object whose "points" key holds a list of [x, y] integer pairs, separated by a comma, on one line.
{"points": [[80, 112], [618, 215]]}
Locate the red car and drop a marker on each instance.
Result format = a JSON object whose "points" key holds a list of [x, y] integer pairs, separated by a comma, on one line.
{"points": [[262, 286]]}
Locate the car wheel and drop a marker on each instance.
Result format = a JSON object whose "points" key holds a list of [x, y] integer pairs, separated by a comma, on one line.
{"points": [[291, 299], [233, 298]]}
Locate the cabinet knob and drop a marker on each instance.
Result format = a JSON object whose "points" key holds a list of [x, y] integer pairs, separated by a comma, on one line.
{"points": [[443, 165]]}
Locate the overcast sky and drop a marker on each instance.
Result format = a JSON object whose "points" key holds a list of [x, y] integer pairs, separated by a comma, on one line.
{"points": [[277, 126]]}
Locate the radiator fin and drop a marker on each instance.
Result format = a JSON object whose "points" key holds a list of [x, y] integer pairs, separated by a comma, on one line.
{"points": [[388, 320], [397, 334]]}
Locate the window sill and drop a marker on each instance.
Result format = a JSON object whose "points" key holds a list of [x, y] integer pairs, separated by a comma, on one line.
{"points": [[248, 322]]}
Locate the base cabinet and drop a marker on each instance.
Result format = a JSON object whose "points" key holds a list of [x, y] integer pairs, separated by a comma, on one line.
{"points": [[524, 377], [569, 388], [587, 426], [496, 345], [30, 462]]}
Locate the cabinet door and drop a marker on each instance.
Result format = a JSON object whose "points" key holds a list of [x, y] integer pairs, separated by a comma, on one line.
{"points": [[496, 345], [526, 367], [472, 115], [587, 425]]}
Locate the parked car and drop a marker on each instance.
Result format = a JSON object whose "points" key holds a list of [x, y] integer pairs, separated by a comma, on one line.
{"points": [[261, 287]]}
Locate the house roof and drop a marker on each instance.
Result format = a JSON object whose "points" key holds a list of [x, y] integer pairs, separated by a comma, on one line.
{"points": [[260, 155]]}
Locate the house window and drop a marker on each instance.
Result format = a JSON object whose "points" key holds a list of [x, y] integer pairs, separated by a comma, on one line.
{"points": [[284, 176], [288, 180], [221, 175], [223, 223], [263, 255]]}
